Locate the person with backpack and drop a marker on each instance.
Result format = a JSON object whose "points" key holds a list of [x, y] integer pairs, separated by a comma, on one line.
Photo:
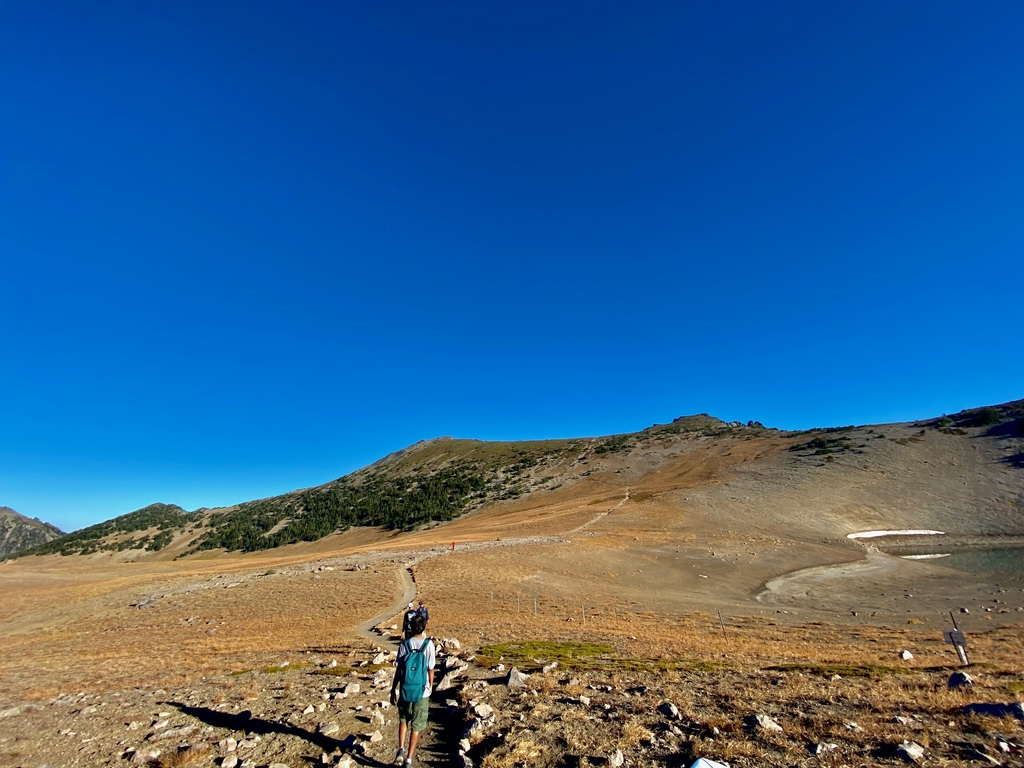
{"points": [[410, 611], [414, 680]]}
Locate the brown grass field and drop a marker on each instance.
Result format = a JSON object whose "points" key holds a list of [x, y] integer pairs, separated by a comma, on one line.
{"points": [[637, 558]]}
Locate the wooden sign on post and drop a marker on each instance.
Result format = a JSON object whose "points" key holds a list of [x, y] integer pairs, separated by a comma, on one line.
{"points": [[956, 638]]}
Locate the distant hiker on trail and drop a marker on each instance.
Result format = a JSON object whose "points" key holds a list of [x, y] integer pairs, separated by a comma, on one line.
{"points": [[410, 612], [453, 546], [422, 611], [414, 680]]}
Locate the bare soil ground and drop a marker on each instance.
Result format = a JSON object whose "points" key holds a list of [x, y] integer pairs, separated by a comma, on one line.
{"points": [[639, 555]]}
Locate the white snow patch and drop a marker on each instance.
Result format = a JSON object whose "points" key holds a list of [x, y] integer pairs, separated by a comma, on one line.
{"points": [[925, 557], [876, 534]]}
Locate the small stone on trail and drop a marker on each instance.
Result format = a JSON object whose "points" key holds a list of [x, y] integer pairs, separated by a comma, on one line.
{"points": [[309, 710], [900, 720], [326, 729], [464, 745], [852, 726], [585, 701], [906, 655], [380, 658], [229, 762], [500, 668], [351, 688], [616, 759], [279, 765], [960, 680], [910, 751], [964, 610], [375, 737], [823, 748]]}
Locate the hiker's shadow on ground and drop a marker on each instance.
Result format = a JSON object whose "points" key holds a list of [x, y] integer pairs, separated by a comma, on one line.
{"points": [[244, 721]]}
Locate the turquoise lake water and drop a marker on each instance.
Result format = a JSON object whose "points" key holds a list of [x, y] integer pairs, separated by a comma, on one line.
{"points": [[999, 565]]}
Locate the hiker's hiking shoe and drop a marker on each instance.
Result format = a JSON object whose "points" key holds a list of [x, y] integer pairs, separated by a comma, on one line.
{"points": [[400, 757], [407, 763]]}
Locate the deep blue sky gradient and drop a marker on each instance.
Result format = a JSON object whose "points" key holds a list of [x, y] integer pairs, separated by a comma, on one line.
{"points": [[249, 247]]}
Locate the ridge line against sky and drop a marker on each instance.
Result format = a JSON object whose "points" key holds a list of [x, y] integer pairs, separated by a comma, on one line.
{"points": [[248, 247]]}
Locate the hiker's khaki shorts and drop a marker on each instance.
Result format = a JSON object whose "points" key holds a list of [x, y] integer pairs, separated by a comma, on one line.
{"points": [[414, 713]]}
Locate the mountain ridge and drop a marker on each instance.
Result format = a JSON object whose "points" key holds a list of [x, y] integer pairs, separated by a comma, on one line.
{"points": [[438, 480], [19, 533]]}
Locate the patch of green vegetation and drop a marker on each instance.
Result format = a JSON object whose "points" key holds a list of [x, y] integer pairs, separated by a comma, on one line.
{"points": [[273, 669], [164, 517], [547, 650], [824, 446], [616, 444], [1015, 688], [843, 670]]}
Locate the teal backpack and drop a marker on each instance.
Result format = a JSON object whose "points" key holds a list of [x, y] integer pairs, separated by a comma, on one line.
{"points": [[413, 672]]}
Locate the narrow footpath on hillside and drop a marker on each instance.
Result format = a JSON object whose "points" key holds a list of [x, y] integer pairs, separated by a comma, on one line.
{"points": [[602, 515]]}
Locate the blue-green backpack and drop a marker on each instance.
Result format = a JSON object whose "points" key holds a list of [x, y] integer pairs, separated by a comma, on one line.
{"points": [[413, 672]]}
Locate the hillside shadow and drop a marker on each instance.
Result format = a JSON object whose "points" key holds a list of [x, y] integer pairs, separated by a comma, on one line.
{"points": [[1016, 460]]}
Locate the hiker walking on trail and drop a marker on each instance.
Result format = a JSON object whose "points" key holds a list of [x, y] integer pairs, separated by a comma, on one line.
{"points": [[422, 611], [410, 612], [414, 680]]}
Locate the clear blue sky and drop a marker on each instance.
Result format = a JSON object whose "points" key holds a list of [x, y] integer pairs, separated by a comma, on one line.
{"points": [[249, 247]]}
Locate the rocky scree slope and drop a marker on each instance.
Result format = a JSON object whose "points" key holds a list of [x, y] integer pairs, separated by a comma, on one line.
{"points": [[18, 533]]}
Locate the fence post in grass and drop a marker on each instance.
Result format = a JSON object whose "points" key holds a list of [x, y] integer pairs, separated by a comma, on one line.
{"points": [[584, 607], [722, 622], [535, 606]]}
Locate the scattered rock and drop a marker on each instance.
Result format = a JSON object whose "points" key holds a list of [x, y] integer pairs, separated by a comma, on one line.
{"points": [[346, 762], [669, 710], [980, 754], [450, 645], [483, 711], [852, 726], [375, 737], [328, 729], [906, 655], [550, 667], [960, 680], [380, 658], [144, 756], [174, 733], [464, 745], [516, 679], [309, 710], [616, 759], [351, 688], [229, 762], [900, 720], [764, 723], [823, 748], [585, 701], [910, 751], [964, 610]]}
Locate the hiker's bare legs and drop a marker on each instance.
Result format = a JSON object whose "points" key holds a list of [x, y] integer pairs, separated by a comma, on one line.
{"points": [[413, 741], [401, 734]]}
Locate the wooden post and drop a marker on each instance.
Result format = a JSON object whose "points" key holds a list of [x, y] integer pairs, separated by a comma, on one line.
{"points": [[959, 642], [584, 613], [535, 606], [722, 622]]}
